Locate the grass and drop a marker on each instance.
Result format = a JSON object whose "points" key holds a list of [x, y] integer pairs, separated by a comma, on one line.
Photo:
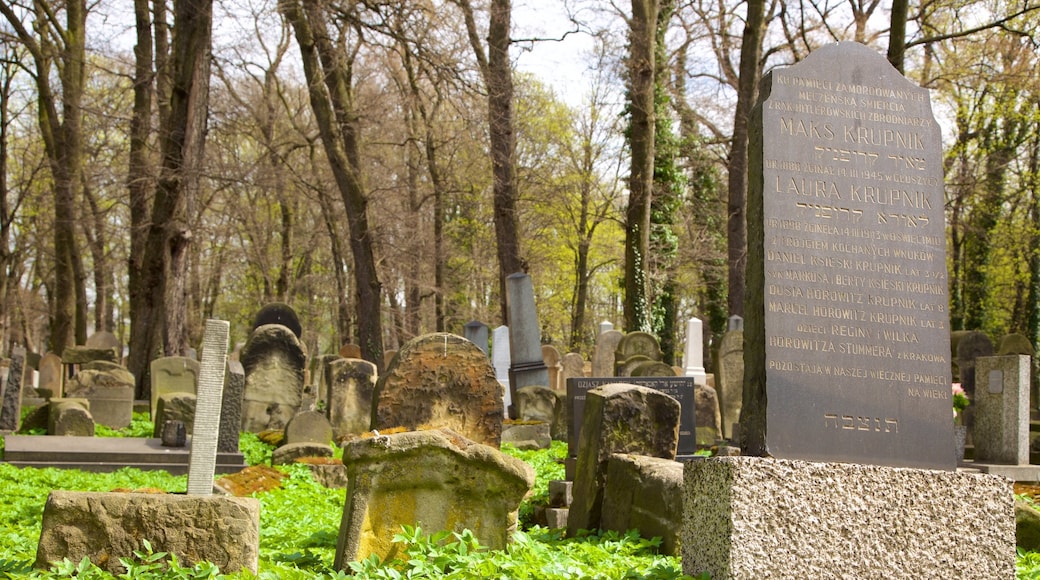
{"points": [[299, 525]]}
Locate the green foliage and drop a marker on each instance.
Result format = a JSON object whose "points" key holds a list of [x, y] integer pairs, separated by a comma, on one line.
{"points": [[140, 426], [548, 466], [1027, 565], [255, 451]]}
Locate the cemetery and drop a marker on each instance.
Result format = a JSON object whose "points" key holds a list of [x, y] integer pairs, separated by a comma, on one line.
{"points": [[840, 428]]}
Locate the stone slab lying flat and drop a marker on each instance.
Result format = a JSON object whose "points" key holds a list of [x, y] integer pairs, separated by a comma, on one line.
{"points": [[108, 526], [753, 517], [102, 454]]}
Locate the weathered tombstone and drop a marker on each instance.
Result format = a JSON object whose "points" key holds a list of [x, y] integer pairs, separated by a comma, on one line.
{"points": [[846, 348], [536, 403], [651, 368], [202, 460], [350, 396], [308, 427], [172, 374], [104, 339], [50, 383], [350, 351], [709, 417], [729, 379], [273, 360], [636, 346], [500, 360], [110, 392], [693, 359], [231, 408], [440, 380], [1002, 409], [551, 358], [526, 366], [477, 333], [846, 329], [619, 418], [278, 313], [436, 477], [572, 367], [11, 411], [70, 418], [603, 353], [78, 355], [1015, 344], [682, 389], [646, 494], [175, 406], [321, 377]]}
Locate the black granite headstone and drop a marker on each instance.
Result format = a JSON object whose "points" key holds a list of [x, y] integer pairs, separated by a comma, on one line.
{"points": [[846, 330], [278, 313], [679, 388]]}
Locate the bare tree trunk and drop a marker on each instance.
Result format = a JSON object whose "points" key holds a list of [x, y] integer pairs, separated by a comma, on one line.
{"points": [[747, 91], [328, 73], [897, 34], [642, 42]]}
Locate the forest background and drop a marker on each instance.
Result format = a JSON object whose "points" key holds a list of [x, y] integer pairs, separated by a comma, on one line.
{"points": [[382, 165]]}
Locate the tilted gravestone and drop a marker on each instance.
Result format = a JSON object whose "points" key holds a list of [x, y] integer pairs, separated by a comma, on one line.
{"points": [[526, 365], [273, 360], [846, 326], [202, 461], [440, 380]]}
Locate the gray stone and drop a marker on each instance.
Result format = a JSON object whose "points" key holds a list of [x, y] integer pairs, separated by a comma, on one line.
{"points": [[709, 418], [500, 360], [560, 493], [174, 433], [573, 367], [278, 313], [70, 417], [111, 396], [290, 452], [352, 385], [526, 365], [436, 477], [477, 333], [441, 380], [1002, 409], [104, 339], [321, 378], [175, 407], [330, 475], [105, 527], [753, 517], [11, 409], [652, 368], [846, 335], [231, 408], [603, 353], [527, 436], [635, 346], [536, 403], [645, 494], [1015, 344], [77, 355], [172, 374], [619, 418], [551, 357], [556, 518], [202, 461], [308, 427], [273, 360], [729, 379], [50, 375]]}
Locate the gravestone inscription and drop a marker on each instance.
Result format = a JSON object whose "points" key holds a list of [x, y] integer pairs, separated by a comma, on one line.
{"points": [[846, 329]]}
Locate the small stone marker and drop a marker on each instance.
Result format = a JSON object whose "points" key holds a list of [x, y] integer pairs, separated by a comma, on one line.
{"points": [[847, 331], [11, 411], [477, 333], [1002, 409], [203, 459], [694, 357]]}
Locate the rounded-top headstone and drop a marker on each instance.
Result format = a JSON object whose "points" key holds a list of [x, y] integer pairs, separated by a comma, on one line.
{"points": [[278, 313], [308, 427], [1015, 344]]}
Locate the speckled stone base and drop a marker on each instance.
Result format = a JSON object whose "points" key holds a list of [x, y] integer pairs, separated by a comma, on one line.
{"points": [[751, 517]]}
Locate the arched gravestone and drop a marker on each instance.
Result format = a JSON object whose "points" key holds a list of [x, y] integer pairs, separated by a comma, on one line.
{"points": [[603, 353], [635, 346], [278, 313], [273, 360], [441, 380]]}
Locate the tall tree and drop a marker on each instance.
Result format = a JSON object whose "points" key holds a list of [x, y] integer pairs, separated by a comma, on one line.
{"points": [[498, 80], [328, 65], [159, 319], [54, 44]]}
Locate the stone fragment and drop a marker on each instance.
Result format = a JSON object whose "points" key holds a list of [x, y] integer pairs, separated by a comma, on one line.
{"points": [[645, 494], [436, 479], [441, 380], [308, 427], [111, 395], [290, 452], [175, 407], [618, 418], [105, 527], [70, 417]]}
